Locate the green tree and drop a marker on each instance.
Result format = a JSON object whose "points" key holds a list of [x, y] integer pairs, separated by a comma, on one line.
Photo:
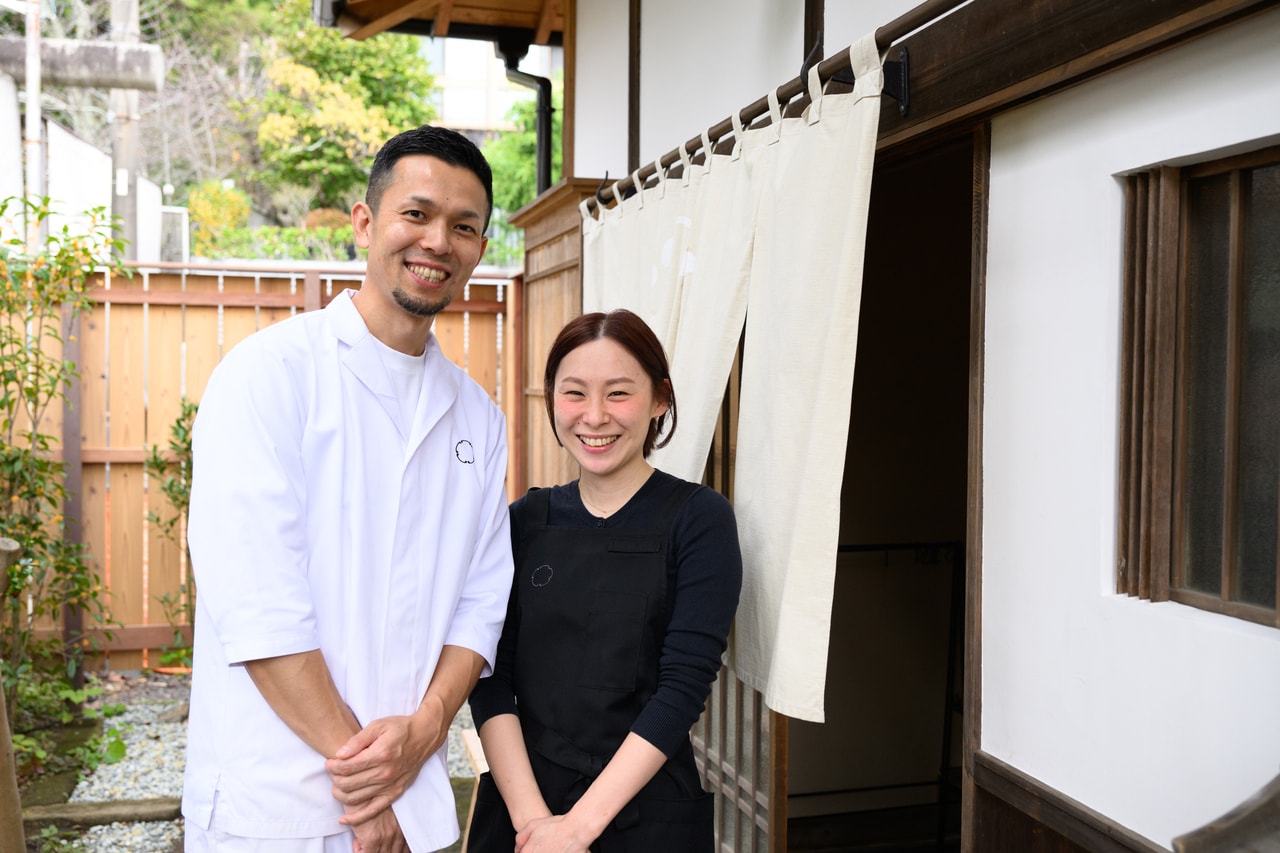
{"points": [[330, 102], [216, 211], [36, 289], [172, 473], [513, 157], [219, 29]]}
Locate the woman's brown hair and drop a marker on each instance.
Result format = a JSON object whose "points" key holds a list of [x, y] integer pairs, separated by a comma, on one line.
{"points": [[631, 333]]}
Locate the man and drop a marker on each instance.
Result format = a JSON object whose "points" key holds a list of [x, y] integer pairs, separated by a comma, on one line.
{"points": [[349, 534]]}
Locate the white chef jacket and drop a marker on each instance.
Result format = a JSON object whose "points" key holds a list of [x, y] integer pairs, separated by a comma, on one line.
{"points": [[316, 524]]}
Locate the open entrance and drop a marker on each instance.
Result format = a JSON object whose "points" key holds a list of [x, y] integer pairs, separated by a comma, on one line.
{"points": [[882, 772]]}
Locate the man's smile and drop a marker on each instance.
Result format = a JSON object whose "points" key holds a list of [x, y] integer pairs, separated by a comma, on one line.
{"points": [[429, 273]]}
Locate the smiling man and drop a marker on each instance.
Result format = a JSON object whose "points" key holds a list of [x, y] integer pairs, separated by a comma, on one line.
{"points": [[349, 535]]}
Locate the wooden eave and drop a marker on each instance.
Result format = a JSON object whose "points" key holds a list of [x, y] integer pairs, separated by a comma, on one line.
{"points": [[993, 54], [542, 20]]}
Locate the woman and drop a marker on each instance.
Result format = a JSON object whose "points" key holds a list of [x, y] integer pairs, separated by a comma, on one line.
{"points": [[625, 586]]}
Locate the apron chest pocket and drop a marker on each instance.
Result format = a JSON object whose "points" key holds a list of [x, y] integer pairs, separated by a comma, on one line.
{"points": [[611, 642]]}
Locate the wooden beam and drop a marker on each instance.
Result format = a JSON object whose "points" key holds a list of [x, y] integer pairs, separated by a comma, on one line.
{"points": [[440, 27], [1055, 811], [987, 57], [130, 638], [547, 14], [413, 9]]}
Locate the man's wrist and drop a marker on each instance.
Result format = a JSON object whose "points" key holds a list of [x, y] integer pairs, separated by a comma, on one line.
{"points": [[428, 728]]}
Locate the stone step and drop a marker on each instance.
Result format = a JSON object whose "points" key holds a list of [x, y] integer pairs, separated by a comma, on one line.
{"points": [[67, 815]]}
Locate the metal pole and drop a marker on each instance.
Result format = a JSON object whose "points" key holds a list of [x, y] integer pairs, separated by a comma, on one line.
{"points": [[33, 126], [124, 148]]}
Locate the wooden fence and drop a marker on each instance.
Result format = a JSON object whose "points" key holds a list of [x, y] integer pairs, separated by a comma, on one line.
{"points": [[153, 339]]}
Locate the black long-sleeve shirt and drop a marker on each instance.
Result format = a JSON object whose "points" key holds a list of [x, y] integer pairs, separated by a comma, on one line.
{"points": [[704, 569]]}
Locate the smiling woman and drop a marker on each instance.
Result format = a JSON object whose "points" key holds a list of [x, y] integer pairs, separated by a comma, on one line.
{"points": [[626, 583]]}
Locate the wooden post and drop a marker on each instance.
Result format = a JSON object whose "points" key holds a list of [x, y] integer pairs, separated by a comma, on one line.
{"points": [[11, 837]]}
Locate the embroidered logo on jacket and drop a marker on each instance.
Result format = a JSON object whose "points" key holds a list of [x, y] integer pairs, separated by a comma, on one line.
{"points": [[542, 575], [465, 452]]}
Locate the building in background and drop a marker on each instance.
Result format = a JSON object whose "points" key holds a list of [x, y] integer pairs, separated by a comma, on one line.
{"points": [[473, 94]]}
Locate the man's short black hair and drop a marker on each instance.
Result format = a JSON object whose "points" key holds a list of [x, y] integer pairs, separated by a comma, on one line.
{"points": [[440, 142]]}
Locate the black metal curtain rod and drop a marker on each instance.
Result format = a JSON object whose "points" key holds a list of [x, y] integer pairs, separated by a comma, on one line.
{"points": [[827, 68]]}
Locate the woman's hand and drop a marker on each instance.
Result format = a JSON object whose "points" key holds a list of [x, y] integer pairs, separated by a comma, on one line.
{"points": [[554, 834]]}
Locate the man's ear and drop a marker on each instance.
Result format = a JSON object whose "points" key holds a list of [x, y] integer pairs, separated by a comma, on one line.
{"points": [[361, 217]]}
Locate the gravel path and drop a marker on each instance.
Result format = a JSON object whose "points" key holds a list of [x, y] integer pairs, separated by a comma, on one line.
{"points": [[154, 761]]}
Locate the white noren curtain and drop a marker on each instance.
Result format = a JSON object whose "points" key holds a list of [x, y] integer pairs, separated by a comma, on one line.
{"points": [[772, 232]]}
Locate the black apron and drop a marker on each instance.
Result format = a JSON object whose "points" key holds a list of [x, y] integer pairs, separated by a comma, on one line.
{"points": [[592, 611]]}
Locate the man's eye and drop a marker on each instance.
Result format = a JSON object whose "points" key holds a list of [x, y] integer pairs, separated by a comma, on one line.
{"points": [[415, 214]]}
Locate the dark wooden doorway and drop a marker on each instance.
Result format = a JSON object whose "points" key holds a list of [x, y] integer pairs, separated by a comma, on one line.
{"points": [[883, 772]]}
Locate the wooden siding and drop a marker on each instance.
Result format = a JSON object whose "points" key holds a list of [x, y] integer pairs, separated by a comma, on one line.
{"points": [[154, 338], [552, 296]]}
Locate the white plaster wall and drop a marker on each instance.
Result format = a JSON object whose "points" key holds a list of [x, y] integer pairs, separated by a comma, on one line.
{"points": [[844, 22], [702, 61], [1160, 716], [699, 63], [600, 89]]}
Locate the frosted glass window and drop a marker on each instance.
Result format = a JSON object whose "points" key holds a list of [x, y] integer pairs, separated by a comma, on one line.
{"points": [[1200, 433]]}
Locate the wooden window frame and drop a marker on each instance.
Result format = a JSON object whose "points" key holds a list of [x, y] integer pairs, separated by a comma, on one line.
{"points": [[1153, 396]]}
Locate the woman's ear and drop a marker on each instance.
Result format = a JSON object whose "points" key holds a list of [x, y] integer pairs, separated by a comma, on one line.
{"points": [[662, 401]]}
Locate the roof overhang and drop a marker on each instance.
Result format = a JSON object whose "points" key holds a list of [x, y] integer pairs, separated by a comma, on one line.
{"points": [[511, 21]]}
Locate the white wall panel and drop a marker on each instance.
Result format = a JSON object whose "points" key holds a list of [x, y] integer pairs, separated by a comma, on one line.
{"points": [[702, 61], [1159, 716], [600, 88]]}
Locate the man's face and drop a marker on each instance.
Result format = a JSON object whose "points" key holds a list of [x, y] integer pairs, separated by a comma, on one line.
{"points": [[426, 237]]}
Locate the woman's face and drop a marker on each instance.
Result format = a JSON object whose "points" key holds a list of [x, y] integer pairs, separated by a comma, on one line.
{"points": [[604, 402]]}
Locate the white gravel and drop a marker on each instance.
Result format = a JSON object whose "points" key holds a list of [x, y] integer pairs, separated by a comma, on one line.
{"points": [[152, 767], [153, 760]]}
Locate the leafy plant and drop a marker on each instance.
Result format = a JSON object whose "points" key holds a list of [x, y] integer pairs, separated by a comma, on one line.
{"points": [[172, 471], [53, 839], [107, 748], [329, 103], [215, 210], [513, 157], [319, 243], [47, 701], [39, 289]]}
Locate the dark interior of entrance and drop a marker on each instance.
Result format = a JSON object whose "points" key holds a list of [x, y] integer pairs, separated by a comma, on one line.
{"points": [[882, 772]]}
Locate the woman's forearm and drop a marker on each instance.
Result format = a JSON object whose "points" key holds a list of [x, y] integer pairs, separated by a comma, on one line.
{"points": [[630, 769], [504, 750]]}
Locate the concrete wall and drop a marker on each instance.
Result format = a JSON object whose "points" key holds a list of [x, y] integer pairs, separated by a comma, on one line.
{"points": [[10, 139], [1159, 716]]}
